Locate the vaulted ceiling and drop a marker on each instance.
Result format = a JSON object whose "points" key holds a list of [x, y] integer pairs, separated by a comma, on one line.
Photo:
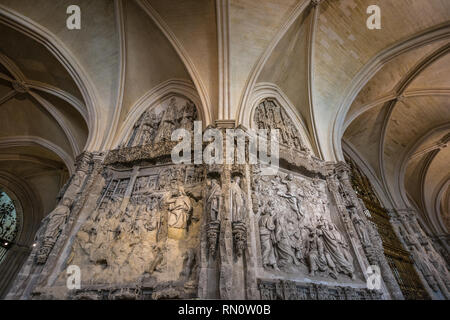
{"points": [[385, 92], [400, 124]]}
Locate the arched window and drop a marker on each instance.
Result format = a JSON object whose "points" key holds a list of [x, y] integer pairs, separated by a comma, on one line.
{"points": [[8, 224]]}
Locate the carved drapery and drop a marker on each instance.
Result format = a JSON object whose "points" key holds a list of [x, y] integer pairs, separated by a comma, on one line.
{"points": [[298, 233]]}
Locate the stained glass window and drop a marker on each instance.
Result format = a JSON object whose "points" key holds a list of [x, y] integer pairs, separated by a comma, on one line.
{"points": [[8, 224]]}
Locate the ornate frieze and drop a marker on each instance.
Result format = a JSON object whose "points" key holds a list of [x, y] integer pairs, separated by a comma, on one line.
{"points": [[290, 290]]}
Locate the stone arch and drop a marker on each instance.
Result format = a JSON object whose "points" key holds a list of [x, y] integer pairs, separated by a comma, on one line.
{"points": [[264, 91], [155, 97]]}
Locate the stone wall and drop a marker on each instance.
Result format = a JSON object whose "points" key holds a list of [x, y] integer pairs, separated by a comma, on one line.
{"points": [[140, 227]]}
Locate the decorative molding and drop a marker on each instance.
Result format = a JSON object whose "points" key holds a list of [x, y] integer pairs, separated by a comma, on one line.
{"points": [[311, 48], [19, 141], [426, 92], [61, 94], [441, 189], [60, 119], [441, 144], [120, 22], [11, 94], [12, 68], [223, 40]]}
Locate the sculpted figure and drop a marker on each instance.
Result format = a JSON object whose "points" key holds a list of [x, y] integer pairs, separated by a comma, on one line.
{"points": [[360, 226], [167, 124], [135, 136], [440, 266], [283, 248], [188, 116], [333, 244], [406, 237], [213, 199], [291, 194], [315, 252], [271, 116], [56, 221], [237, 200], [75, 185], [180, 208], [261, 119], [422, 264], [267, 236]]}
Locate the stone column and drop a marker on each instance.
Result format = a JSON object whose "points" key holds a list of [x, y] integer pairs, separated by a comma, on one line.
{"points": [[374, 251]]}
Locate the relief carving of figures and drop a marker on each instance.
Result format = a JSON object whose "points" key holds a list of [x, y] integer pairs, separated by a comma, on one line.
{"points": [[315, 252], [360, 226], [441, 269], [336, 249], [269, 115], [144, 234], [168, 122], [291, 194], [180, 208], [424, 267], [299, 235], [56, 221], [267, 236], [156, 125], [284, 249]]}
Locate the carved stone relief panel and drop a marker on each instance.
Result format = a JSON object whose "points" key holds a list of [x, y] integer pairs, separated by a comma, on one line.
{"points": [[145, 228], [157, 124], [290, 290], [297, 230], [269, 115], [427, 260]]}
